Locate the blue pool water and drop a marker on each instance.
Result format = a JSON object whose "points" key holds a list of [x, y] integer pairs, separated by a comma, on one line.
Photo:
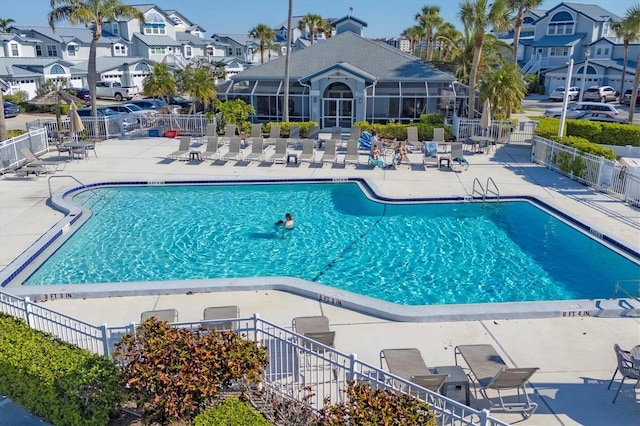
{"points": [[419, 254]]}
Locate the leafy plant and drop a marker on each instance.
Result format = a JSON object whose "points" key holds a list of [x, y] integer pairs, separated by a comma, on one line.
{"points": [[231, 411], [235, 111], [174, 373], [372, 406]]}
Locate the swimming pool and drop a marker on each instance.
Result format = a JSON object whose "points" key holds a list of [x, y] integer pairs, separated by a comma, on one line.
{"points": [[411, 254]]}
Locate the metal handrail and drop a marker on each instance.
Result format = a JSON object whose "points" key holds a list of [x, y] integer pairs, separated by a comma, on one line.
{"points": [[60, 176], [495, 189], [474, 190], [625, 291]]}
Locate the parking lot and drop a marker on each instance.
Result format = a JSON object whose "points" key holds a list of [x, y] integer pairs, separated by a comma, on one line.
{"points": [[536, 104]]}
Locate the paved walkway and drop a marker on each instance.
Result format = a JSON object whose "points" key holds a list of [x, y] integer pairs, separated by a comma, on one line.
{"points": [[575, 354]]}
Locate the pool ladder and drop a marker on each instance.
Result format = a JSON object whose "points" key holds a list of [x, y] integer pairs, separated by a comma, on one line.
{"points": [[483, 191]]}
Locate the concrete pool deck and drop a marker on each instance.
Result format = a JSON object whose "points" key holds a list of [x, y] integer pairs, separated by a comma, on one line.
{"points": [[574, 353]]}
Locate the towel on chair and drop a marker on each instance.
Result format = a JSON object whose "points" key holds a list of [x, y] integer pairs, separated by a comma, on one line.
{"points": [[431, 149]]}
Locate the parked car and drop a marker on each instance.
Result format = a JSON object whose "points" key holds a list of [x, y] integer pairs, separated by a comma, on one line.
{"points": [[104, 111], [558, 93], [133, 110], [154, 104], [82, 93], [10, 110], [600, 93], [575, 109], [626, 98], [115, 90], [602, 116]]}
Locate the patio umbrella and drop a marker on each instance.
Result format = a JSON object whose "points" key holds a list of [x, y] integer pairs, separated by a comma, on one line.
{"points": [[485, 118], [76, 125], [56, 97]]}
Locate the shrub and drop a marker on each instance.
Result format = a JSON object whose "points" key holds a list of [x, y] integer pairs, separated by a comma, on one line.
{"points": [[15, 132], [19, 98], [589, 130], [436, 120], [373, 406], [285, 127], [548, 128], [59, 382], [231, 412], [619, 134], [173, 373]]}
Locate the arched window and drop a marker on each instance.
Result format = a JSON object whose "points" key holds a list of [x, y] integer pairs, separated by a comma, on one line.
{"points": [[338, 90], [57, 69], [590, 70], [154, 24], [560, 24], [142, 67]]}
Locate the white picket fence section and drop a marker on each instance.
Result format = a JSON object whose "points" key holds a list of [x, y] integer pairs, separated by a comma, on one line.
{"points": [[11, 158], [503, 131], [296, 363]]}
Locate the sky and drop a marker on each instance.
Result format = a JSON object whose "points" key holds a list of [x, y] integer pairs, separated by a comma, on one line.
{"points": [[385, 18]]}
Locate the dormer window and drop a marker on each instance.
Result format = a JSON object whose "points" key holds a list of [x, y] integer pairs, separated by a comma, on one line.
{"points": [[115, 29], [528, 20], [14, 49], [606, 28], [561, 24], [188, 52], [154, 24], [71, 50], [119, 50]]}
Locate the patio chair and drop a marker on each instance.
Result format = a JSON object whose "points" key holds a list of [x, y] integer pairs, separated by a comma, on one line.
{"points": [[234, 150], [625, 367], [61, 148], [280, 154], [211, 149], [210, 130], [314, 133], [183, 149], [168, 315], [355, 133], [491, 372], [294, 134], [37, 166], [352, 155], [330, 151], [336, 133], [458, 162], [430, 157], [308, 153], [257, 149], [315, 328], [218, 313], [256, 131], [408, 364], [274, 134], [438, 134], [413, 142]]}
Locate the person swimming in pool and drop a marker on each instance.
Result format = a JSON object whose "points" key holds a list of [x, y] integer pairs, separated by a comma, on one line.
{"points": [[287, 223]]}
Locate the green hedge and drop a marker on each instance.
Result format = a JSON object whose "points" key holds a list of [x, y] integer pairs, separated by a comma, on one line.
{"points": [[231, 412], [399, 131], [548, 128], [285, 127], [57, 381]]}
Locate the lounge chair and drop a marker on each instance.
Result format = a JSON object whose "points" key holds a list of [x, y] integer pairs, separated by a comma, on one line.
{"points": [[438, 134], [430, 157], [491, 372], [280, 154], [413, 142], [408, 364], [229, 132], [330, 151], [168, 315], [355, 133], [294, 134], [625, 367], [352, 155], [458, 162], [314, 133], [256, 131], [35, 165], [336, 133], [308, 153], [274, 134], [316, 329], [183, 149], [234, 150], [211, 149], [210, 130], [221, 312], [257, 149]]}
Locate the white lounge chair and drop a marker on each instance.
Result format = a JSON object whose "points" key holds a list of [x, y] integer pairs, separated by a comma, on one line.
{"points": [[280, 154], [257, 149], [355, 133], [36, 166], [274, 134], [183, 149], [308, 152], [352, 155], [256, 131], [315, 328], [211, 149], [336, 133], [408, 364], [234, 152], [430, 157], [168, 315], [413, 142], [458, 162], [330, 151], [218, 313]]}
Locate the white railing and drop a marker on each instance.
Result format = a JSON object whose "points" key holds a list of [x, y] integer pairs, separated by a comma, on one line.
{"points": [[299, 368], [11, 158], [599, 173]]}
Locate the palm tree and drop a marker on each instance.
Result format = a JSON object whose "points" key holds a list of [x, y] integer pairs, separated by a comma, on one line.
{"points": [[627, 32], [477, 16], [448, 37], [429, 19], [91, 13], [633, 17], [326, 28], [270, 46], [4, 24], [199, 84], [462, 51], [160, 82], [520, 7], [505, 88], [313, 22], [413, 34], [264, 33]]}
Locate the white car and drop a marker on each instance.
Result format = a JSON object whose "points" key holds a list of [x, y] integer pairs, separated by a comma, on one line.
{"points": [[576, 109], [558, 93]]}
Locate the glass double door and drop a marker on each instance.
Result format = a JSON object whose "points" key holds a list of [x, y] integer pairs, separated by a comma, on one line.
{"points": [[337, 112]]}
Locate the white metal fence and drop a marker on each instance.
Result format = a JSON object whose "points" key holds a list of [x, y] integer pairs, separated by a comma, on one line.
{"points": [[599, 173], [503, 131], [299, 368], [10, 156]]}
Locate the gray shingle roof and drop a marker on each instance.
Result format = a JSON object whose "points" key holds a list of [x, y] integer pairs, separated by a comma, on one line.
{"points": [[592, 11], [371, 57], [28, 67], [564, 40], [157, 40], [66, 34], [191, 39]]}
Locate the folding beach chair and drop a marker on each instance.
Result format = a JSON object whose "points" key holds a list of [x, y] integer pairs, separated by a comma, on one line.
{"points": [[183, 149], [316, 329], [352, 155], [168, 315], [280, 154], [330, 151], [257, 149], [234, 150], [308, 153], [211, 149], [219, 313]]}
